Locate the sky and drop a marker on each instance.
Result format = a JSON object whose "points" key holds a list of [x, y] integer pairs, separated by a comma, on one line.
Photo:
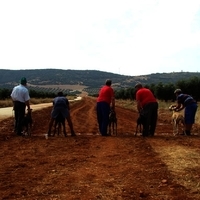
{"points": [[127, 37]]}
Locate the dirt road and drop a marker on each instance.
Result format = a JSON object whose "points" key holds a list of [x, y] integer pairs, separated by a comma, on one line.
{"points": [[90, 166]]}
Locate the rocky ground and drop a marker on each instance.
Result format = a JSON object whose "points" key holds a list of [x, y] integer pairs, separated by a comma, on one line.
{"points": [[89, 166]]}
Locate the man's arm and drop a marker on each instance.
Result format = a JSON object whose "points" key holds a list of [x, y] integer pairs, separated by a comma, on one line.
{"points": [[28, 104], [113, 103], [179, 107], [139, 107]]}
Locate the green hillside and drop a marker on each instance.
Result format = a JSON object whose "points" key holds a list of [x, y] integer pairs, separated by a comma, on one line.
{"points": [[89, 78]]}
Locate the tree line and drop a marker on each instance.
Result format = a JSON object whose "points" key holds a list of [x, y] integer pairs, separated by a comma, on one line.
{"points": [[165, 92], [161, 91]]}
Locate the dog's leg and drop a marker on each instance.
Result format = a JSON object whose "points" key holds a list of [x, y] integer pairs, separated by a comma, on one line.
{"points": [[59, 127], [29, 129], [174, 127], [64, 129], [140, 128], [116, 128], [109, 128], [113, 131], [136, 130], [55, 127]]}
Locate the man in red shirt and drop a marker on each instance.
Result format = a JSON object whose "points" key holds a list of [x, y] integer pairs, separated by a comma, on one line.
{"points": [[105, 99], [147, 105]]}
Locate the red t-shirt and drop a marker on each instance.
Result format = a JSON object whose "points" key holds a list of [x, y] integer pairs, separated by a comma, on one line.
{"points": [[145, 96], [106, 94]]}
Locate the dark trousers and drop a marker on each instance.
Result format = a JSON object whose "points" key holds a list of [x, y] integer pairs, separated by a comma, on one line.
{"points": [[103, 110], [19, 109], [150, 113]]}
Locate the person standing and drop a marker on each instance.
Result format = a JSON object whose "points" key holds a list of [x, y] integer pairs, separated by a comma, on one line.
{"points": [[147, 105], [105, 100], [185, 101], [61, 106], [21, 100]]}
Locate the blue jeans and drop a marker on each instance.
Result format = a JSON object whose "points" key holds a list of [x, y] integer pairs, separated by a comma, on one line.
{"points": [[190, 112], [103, 110]]}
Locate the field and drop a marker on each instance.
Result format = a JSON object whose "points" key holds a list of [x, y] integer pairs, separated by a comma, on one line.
{"points": [[92, 167]]}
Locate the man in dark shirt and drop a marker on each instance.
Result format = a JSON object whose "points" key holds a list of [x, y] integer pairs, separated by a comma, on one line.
{"points": [[190, 105], [61, 106]]}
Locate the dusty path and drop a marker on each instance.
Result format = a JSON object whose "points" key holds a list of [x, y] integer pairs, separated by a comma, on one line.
{"points": [[93, 167], [8, 111]]}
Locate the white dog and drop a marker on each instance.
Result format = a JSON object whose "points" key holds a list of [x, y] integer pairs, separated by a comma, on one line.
{"points": [[177, 119]]}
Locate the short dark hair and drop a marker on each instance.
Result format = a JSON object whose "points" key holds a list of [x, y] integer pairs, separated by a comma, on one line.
{"points": [[178, 91], [138, 85], [108, 82], [60, 94]]}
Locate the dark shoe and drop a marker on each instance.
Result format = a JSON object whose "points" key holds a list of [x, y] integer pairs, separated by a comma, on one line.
{"points": [[106, 135], [188, 133], [49, 133], [73, 133]]}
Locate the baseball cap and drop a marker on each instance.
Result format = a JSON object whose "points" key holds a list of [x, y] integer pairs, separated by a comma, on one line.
{"points": [[23, 81]]}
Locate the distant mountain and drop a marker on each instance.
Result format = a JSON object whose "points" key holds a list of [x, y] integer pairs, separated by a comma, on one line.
{"points": [[88, 78]]}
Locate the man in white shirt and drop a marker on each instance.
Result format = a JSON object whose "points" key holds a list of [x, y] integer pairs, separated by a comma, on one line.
{"points": [[21, 99]]}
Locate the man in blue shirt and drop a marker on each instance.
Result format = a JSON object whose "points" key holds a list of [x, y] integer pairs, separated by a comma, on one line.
{"points": [[186, 101]]}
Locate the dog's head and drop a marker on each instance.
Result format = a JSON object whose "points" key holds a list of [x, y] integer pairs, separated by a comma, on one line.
{"points": [[112, 114], [172, 107], [29, 111], [140, 119]]}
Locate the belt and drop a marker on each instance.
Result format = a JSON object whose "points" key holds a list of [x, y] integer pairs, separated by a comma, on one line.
{"points": [[19, 102]]}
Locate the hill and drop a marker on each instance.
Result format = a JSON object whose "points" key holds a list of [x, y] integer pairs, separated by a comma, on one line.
{"points": [[84, 79]]}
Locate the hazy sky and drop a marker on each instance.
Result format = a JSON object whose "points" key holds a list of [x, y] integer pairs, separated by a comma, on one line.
{"points": [[129, 37]]}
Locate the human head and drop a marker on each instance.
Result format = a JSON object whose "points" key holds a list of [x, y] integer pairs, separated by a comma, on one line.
{"points": [[60, 94], [138, 86], [108, 82], [23, 81], [178, 91]]}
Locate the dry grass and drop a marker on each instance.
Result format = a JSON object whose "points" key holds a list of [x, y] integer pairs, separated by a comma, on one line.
{"points": [[9, 103], [183, 162], [128, 104], [6, 103]]}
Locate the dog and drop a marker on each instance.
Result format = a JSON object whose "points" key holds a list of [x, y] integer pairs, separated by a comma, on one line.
{"points": [[27, 122], [177, 119], [140, 123], [59, 123], [112, 123]]}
